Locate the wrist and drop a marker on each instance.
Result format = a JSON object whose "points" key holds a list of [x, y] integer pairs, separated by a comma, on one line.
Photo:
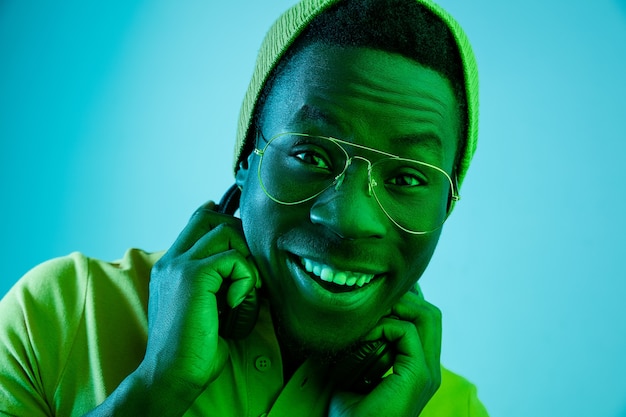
{"points": [[165, 394], [142, 394]]}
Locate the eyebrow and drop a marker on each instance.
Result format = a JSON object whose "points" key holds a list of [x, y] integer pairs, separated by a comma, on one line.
{"points": [[427, 141], [308, 113]]}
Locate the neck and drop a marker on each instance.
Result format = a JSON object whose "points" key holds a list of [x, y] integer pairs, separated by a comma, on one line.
{"points": [[291, 358]]}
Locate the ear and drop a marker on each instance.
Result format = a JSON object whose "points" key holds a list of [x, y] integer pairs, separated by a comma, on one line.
{"points": [[243, 171]]}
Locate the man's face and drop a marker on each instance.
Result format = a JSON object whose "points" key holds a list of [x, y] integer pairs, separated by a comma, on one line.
{"points": [[374, 99]]}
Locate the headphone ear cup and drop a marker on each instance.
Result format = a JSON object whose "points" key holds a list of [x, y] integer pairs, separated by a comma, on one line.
{"points": [[238, 322], [229, 203], [361, 370]]}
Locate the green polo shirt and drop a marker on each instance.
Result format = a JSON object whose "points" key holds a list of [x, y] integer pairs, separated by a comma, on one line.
{"points": [[73, 328]]}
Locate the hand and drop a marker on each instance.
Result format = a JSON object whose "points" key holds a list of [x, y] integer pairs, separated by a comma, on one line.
{"points": [[414, 328], [184, 352]]}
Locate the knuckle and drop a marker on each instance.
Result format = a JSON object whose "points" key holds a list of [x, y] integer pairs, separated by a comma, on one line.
{"points": [[208, 220], [225, 263], [436, 312], [206, 208], [226, 232], [222, 228], [225, 256], [167, 264], [435, 383], [432, 312], [203, 218]]}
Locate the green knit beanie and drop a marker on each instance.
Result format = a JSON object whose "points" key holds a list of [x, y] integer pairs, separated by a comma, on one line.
{"points": [[287, 28]]}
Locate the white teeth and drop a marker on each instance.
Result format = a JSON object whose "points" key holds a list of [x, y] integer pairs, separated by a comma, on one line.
{"points": [[326, 273], [340, 278], [317, 270], [361, 281]]}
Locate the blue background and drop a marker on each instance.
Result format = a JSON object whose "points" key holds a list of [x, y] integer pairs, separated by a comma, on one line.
{"points": [[117, 120]]}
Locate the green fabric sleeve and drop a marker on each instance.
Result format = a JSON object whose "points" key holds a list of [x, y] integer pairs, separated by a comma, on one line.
{"points": [[73, 328]]}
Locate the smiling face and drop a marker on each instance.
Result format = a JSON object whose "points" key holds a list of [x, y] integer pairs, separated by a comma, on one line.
{"points": [[333, 265]]}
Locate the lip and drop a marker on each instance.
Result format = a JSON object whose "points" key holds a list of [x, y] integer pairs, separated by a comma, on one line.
{"points": [[317, 295], [339, 265]]}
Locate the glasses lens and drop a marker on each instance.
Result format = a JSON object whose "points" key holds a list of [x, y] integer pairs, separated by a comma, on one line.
{"points": [[413, 194], [296, 167]]}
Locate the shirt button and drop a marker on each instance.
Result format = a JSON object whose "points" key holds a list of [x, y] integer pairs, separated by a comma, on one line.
{"points": [[262, 363]]}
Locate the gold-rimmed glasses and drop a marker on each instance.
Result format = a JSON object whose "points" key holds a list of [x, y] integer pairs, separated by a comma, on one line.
{"points": [[297, 167]]}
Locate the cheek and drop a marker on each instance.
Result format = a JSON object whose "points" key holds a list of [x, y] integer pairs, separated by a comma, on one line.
{"points": [[417, 253], [264, 222], [257, 231], [255, 217]]}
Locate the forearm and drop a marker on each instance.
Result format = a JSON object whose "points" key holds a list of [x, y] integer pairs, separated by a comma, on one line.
{"points": [[138, 395]]}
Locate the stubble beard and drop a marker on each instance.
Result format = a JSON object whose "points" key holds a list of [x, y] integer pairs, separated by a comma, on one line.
{"points": [[320, 349]]}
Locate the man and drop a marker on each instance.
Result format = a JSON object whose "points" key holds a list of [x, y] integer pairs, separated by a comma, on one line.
{"points": [[358, 126]]}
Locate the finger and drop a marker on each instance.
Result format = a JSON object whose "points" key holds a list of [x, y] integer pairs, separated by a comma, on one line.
{"points": [[209, 205], [230, 266], [406, 307], [201, 222], [400, 332], [427, 320], [239, 290], [222, 238], [429, 328]]}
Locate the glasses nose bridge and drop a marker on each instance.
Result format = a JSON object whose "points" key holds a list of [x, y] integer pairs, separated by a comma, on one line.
{"points": [[341, 177]]}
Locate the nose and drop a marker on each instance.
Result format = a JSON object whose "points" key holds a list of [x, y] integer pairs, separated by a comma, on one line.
{"points": [[349, 209]]}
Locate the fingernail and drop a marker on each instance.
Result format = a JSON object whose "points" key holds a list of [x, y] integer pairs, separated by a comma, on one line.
{"points": [[239, 301], [210, 205]]}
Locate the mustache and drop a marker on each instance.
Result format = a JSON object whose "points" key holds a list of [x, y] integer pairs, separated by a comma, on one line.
{"points": [[330, 246]]}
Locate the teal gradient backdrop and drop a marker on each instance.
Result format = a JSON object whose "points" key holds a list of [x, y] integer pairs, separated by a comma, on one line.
{"points": [[117, 120]]}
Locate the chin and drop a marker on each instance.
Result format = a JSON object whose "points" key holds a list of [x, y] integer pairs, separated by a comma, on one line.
{"points": [[326, 342]]}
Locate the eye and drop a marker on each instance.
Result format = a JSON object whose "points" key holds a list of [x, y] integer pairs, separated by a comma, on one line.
{"points": [[407, 180], [313, 158]]}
